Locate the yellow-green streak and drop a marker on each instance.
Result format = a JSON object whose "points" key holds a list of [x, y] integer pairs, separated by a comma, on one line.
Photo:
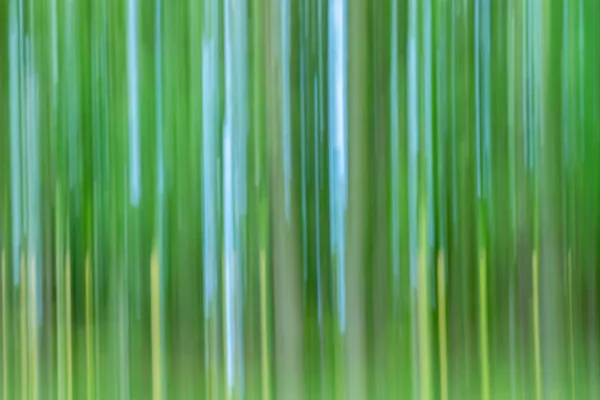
{"points": [[572, 346], [227, 393], [423, 317], [69, 338], [442, 331], [340, 366], [88, 328], [23, 296], [60, 317], [4, 348], [536, 328], [33, 334], [212, 351], [266, 394], [156, 334], [483, 328]]}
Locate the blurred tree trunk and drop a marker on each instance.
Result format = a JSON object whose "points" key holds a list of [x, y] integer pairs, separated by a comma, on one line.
{"points": [[287, 295], [359, 137]]}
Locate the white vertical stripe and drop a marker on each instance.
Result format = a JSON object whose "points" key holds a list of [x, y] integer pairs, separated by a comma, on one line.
{"points": [[338, 144], [15, 128], [133, 83]]}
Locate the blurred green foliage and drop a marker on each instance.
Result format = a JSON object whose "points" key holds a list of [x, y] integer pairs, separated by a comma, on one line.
{"points": [[299, 199]]}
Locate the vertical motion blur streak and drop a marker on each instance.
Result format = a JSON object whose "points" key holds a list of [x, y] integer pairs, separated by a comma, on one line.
{"points": [[289, 199]]}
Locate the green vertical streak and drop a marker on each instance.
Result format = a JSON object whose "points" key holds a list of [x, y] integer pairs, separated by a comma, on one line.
{"points": [[499, 218], [523, 227], [436, 192], [289, 379], [589, 87], [321, 328], [4, 388], [76, 56], [570, 126], [118, 371], [60, 298], [581, 253], [455, 347], [483, 318], [552, 258], [192, 198], [101, 253], [141, 16], [257, 317], [569, 118], [422, 31], [323, 213], [305, 161], [183, 203], [414, 186], [253, 314], [401, 359], [442, 147], [533, 131], [58, 148], [591, 103], [484, 201], [308, 30], [381, 217], [5, 267], [377, 283], [154, 12], [472, 138], [84, 210], [359, 123], [63, 105], [512, 112], [46, 53], [568, 381], [3, 322], [97, 132]]}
